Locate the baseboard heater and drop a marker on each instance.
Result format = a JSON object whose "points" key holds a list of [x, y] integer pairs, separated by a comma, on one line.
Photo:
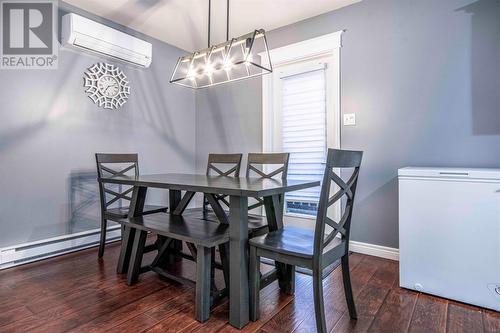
{"points": [[47, 248]]}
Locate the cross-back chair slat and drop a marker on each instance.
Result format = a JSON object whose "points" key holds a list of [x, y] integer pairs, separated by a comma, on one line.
{"points": [[231, 159], [234, 163], [124, 163], [256, 159], [261, 159], [337, 159], [112, 166], [118, 196]]}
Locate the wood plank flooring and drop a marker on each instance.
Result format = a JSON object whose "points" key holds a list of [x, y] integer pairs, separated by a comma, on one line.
{"points": [[79, 293]]}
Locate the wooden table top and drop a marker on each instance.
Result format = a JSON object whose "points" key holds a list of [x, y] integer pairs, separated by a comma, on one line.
{"points": [[239, 186]]}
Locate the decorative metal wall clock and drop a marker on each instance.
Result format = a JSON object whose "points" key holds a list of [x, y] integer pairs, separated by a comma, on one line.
{"points": [[107, 86]]}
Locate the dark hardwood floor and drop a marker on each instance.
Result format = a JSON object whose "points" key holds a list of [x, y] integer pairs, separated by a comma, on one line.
{"points": [[79, 293]]}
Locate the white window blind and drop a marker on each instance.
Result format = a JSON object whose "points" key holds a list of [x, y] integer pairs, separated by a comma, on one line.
{"points": [[303, 134]]}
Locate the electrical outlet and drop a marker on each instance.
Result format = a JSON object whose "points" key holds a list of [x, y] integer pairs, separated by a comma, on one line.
{"points": [[349, 119]]}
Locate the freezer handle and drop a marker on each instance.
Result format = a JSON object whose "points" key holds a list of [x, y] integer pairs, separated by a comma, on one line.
{"points": [[454, 173]]}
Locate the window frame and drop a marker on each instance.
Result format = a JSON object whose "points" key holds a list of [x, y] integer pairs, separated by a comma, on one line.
{"points": [[324, 49]]}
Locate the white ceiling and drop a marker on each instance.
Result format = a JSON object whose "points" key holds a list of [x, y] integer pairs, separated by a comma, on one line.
{"points": [[183, 23]]}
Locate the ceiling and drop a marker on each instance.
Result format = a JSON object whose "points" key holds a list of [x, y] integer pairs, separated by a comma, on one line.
{"points": [[183, 23]]}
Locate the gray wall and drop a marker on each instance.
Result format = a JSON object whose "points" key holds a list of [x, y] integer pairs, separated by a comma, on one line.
{"points": [[423, 78], [50, 131]]}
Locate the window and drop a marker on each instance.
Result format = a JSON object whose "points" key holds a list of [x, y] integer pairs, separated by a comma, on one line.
{"points": [[302, 120], [301, 113]]}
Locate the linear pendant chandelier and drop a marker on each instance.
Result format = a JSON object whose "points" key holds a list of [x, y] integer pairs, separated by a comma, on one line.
{"points": [[233, 60]]}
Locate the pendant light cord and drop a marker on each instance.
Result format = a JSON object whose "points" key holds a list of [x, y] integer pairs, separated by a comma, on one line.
{"points": [[227, 22], [209, 17], [209, 7]]}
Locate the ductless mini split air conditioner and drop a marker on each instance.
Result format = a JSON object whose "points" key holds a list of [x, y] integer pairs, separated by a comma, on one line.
{"points": [[84, 34]]}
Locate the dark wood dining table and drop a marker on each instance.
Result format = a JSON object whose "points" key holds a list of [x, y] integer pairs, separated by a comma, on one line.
{"points": [[239, 190]]}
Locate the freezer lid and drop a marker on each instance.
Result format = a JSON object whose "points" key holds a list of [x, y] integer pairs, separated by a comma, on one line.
{"points": [[439, 172]]}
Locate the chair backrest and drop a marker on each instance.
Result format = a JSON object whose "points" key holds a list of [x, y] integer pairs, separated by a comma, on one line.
{"points": [[261, 159], [256, 159], [234, 161], [114, 165], [346, 159]]}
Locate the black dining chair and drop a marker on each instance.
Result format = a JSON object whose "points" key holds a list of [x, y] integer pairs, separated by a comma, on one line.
{"points": [[225, 165], [111, 197], [257, 224], [314, 249], [230, 165]]}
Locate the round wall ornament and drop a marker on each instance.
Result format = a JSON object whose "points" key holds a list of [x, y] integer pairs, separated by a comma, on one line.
{"points": [[107, 86]]}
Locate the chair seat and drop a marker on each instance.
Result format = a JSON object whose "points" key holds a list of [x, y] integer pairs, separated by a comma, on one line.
{"points": [[289, 240], [123, 211]]}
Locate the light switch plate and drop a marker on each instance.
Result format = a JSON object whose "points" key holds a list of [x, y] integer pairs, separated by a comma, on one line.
{"points": [[349, 119]]}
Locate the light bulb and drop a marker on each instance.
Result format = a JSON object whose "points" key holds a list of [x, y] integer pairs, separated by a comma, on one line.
{"points": [[191, 73], [209, 69], [228, 64]]}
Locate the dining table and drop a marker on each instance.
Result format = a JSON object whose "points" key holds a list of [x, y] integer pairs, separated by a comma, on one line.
{"points": [[183, 187]]}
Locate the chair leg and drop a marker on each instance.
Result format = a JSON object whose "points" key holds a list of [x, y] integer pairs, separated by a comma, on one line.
{"points": [[319, 308], [254, 272], [136, 256], [347, 286], [102, 240], [202, 299]]}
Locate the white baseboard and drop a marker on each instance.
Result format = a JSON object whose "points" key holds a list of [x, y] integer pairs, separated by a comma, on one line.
{"points": [[51, 247], [374, 250], [47, 248]]}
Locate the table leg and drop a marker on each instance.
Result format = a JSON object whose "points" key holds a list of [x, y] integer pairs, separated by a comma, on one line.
{"points": [[238, 261], [274, 214], [136, 208], [174, 198], [128, 235]]}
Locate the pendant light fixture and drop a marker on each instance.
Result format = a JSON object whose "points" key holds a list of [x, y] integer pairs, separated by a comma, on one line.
{"points": [[233, 60]]}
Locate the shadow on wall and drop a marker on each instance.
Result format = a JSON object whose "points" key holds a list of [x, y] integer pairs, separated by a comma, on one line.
{"points": [[15, 136], [485, 66], [161, 122], [218, 118], [83, 201], [137, 12], [382, 223]]}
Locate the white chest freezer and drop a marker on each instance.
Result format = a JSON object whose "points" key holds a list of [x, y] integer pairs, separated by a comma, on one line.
{"points": [[449, 233]]}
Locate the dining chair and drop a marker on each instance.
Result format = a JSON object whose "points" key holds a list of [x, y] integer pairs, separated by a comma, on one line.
{"points": [[112, 197], [226, 165], [232, 165], [256, 162], [314, 249]]}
